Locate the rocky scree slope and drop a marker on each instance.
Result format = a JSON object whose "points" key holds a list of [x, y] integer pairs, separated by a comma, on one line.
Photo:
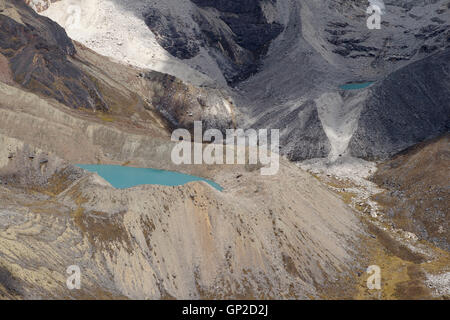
{"points": [[37, 55], [304, 67], [407, 107], [417, 195], [283, 59], [156, 242]]}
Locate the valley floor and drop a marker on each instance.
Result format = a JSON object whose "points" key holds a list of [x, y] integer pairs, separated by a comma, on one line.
{"points": [[411, 267]]}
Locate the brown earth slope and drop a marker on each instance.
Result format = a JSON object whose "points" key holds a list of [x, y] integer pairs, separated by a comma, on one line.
{"points": [[253, 240], [417, 184]]}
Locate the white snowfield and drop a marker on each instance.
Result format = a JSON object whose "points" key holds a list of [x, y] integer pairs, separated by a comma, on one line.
{"points": [[116, 29]]}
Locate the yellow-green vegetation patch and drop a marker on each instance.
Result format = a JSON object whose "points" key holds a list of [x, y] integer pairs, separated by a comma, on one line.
{"points": [[105, 117], [403, 272]]}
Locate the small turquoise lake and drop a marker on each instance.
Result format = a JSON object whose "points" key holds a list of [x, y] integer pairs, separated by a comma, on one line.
{"points": [[126, 177], [356, 86]]}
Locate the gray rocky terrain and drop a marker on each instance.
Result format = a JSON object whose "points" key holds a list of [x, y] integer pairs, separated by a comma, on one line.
{"points": [[279, 60], [400, 112], [111, 86]]}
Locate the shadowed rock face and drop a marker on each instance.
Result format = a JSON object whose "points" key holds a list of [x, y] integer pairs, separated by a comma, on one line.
{"points": [[182, 104], [237, 33], [409, 106], [39, 53], [247, 21], [250, 37], [303, 128]]}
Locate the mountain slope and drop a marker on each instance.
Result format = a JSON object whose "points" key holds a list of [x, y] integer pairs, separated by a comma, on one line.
{"points": [[287, 58], [409, 106], [251, 241], [39, 51], [270, 64], [417, 194]]}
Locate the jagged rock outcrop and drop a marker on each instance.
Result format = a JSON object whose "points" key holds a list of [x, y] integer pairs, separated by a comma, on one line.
{"points": [[181, 104], [238, 33], [303, 129]]}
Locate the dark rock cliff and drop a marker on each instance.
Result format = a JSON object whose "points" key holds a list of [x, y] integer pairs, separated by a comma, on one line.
{"points": [[39, 53], [407, 107]]}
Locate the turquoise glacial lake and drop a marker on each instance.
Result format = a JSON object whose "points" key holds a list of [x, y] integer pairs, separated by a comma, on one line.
{"points": [[126, 177], [356, 86]]}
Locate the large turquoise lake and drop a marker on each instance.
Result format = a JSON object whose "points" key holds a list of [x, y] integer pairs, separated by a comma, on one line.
{"points": [[356, 86], [126, 177]]}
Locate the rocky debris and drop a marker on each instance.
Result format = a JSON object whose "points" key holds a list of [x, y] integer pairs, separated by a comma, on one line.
{"points": [[182, 104], [170, 34], [440, 284], [417, 194], [351, 46], [303, 129], [237, 33], [30, 168]]}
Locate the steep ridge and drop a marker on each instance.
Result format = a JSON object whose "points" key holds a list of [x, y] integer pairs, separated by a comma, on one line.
{"points": [[240, 32], [251, 241], [38, 51]]}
